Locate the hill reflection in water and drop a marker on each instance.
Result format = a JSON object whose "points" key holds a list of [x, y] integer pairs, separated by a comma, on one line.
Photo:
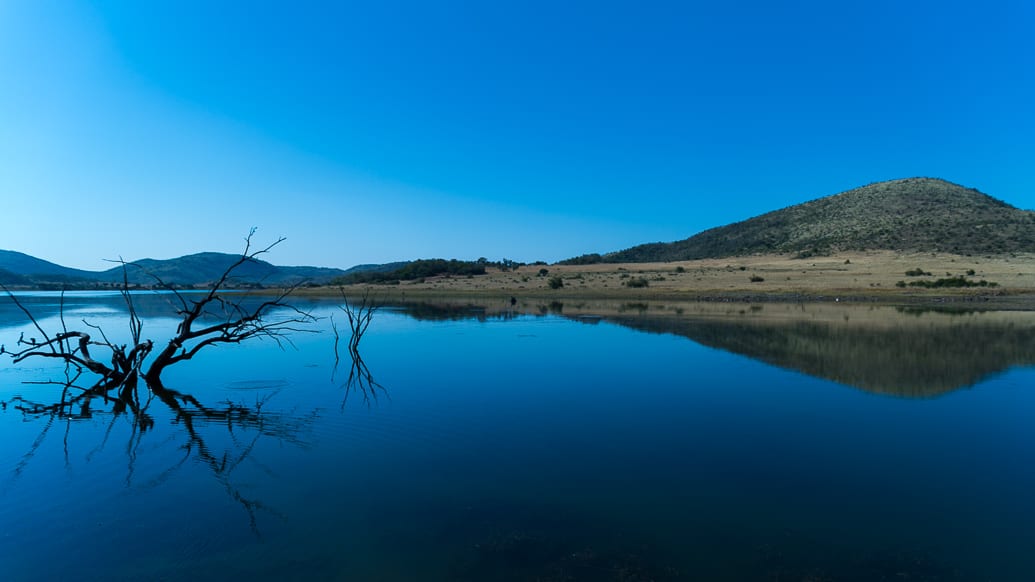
{"points": [[911, 352]]}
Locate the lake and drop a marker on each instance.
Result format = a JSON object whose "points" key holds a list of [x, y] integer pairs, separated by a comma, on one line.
{"points": [[538, 441]]}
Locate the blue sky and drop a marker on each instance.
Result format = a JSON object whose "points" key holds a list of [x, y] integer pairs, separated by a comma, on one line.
{"points": [[380, 131]]}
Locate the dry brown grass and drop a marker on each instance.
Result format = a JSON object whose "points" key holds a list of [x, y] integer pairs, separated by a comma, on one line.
{"points": [[851, 274]]}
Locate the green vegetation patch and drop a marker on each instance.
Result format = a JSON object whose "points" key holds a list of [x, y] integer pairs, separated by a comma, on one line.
{"points": [[419, 269]]}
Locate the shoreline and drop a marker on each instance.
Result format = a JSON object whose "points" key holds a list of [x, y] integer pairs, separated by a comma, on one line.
{"points": [[857, 296], [875, 277], [860, 277]]}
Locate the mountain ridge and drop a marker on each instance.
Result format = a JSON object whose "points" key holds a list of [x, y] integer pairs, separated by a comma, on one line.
{"points": [[20, 269]]}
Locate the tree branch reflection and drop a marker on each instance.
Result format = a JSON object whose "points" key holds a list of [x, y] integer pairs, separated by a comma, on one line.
{"points": [[220, 437], [359, 314]]}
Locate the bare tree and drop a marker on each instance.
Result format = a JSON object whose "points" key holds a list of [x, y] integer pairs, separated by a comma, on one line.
{"points": [[102, 376], [213, 319], [359, 315]]}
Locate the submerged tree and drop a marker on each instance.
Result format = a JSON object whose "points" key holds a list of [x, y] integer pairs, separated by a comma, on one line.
{"points": [[102, 376], [210, 320], [359, 315]]}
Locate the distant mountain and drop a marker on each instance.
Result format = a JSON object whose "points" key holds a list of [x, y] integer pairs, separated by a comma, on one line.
{"points": [[204, 268], [914, 214], [16, 263], [191, 270]]}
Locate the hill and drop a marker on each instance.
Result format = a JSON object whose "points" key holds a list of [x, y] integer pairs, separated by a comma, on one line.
{"points": [[9, 278], [914, 214], [19, 266], [203, 268]]}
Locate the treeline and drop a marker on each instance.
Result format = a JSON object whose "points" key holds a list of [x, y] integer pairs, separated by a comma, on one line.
{"points": [[588, 259], [419, 269]]}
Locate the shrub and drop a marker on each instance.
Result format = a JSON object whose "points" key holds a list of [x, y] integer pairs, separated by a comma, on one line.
{"points": [[543, 272], [917, 272], [637, 282], [680, 269], [555, 282], [757, 279]]}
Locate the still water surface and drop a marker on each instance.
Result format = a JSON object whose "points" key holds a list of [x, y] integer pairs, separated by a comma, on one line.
{"points": [[542, 442]]}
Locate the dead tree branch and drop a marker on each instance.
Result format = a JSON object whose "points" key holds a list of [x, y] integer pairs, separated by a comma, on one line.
{"points": [[73, 348], [209, 319], [362, 380], [214, 319], [359, 316]]}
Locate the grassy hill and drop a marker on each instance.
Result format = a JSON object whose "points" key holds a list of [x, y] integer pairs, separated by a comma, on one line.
{"points": [[914, 214]]}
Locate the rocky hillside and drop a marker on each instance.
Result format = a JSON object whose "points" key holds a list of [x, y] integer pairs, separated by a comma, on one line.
{"points": [[914, 214]]}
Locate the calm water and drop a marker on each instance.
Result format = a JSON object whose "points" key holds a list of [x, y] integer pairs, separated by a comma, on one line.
{"points": [[542, 442]]}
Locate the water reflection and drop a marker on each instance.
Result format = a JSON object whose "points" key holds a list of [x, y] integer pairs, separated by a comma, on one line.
{"points": [[911, 352], [518, 451], [359, 380], [218, 436], [925, 359], [50, 304], [149, 305], [459, 311]]}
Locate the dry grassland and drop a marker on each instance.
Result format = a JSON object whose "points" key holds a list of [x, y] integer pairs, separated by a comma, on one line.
{"points": [[852, 275]]}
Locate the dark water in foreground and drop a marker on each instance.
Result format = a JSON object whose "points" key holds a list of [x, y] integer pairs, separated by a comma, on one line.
{"points": [[548, 442]]}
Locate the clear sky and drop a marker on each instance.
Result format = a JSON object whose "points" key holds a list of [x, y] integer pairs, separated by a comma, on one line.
{"points": [[380, 131]]}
